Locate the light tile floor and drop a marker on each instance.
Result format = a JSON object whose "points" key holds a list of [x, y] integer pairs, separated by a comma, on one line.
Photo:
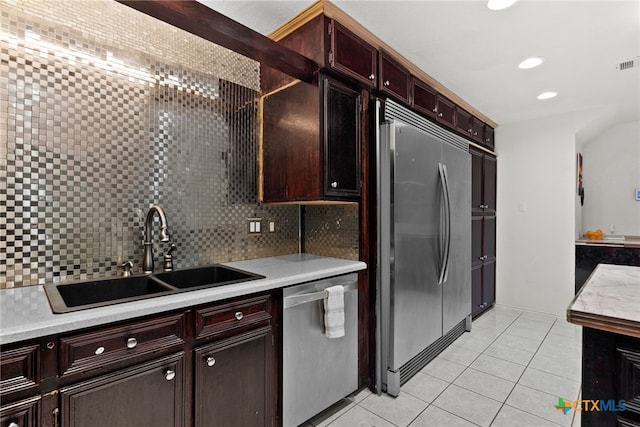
{"points": [[508, 371]]}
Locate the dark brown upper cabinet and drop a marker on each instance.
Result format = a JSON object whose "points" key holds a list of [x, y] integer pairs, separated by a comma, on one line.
{"points": [[483, 182], [489, 138], [394, 78], [351, 55], [428, 101], [310, 145], [464, 122]]}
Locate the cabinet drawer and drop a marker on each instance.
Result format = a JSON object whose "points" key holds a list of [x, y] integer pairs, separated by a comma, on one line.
{"points": [[116, 346], [21, 414], [236, 316], [19, 371]]}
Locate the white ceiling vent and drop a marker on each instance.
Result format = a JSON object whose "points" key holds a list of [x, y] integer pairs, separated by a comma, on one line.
{"points": [[628, 64]]}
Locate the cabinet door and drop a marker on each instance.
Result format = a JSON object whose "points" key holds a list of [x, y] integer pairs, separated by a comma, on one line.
{"points": [[477, 130], [20, 414], [394, 78], [463, 122], [489, 165], [423, 98], [476, 290], [342, 111], [234, 381], [351, 55], [489, 137], [477, 182], [489, 237], [476, 240], [150, 394], [446, 111], [489, 283]]}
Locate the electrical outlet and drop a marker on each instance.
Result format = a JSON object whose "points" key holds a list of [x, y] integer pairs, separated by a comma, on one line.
{"points": [[255, 225]]}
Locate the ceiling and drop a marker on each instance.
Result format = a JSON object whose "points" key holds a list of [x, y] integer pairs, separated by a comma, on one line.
{"points": [[474, 51]]}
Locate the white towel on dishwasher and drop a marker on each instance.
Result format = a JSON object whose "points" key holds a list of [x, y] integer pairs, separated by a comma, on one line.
{"points": [[334, 312]]}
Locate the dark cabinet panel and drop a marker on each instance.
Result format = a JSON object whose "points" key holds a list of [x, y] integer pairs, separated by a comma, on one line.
{"points": [[476, 290], [476, 240], [311, 142], [489, 237], [351, 55], [489, 171], [489, 283], [19, 371], [394, 78], [20, 414], [463, 122], [233, 381], [424, 98], [477, 130], [342, 112], [484, 179], [446, 111], [150, 394], [489, 137]]}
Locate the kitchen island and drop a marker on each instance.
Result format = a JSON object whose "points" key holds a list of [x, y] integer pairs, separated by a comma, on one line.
{"points": [[608, 308]]}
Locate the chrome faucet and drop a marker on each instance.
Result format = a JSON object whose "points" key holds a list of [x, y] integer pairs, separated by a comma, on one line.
{"points": [[147, 259]]}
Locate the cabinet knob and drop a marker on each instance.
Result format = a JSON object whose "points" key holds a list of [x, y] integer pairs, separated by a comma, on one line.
{"points": [[99, 350], [475, 134], [132, 343], [334, 184], [14, 425], [239, 315], [211, 361], [469, 130], [435, 110], [372, 77], [439, 114], [169, 374], [488, 139], [386, 83]]}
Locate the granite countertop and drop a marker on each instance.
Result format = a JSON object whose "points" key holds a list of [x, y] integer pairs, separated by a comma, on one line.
{"points": [[625, 242], [25, 312], [609, 300]]}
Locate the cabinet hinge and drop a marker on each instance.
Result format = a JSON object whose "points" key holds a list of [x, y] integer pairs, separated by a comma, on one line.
{"points": [[331, 57], [329, 29]]}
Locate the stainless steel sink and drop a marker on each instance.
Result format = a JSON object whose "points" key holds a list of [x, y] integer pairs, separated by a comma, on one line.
{"points": [[66, 297], [204, 277]]}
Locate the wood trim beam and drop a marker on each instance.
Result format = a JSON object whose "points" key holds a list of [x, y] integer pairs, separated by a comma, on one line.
{"points": [[198, 19]]}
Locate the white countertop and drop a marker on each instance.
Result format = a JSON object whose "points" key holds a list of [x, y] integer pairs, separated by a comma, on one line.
{"points": [[25, 312], [609, 300]]}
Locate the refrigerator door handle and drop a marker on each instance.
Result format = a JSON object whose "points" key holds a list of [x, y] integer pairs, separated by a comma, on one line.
{"points": [[444, 246], [448, 224]]}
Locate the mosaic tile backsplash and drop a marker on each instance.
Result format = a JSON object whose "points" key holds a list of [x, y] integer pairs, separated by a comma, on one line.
{"points": [[105, 112]]}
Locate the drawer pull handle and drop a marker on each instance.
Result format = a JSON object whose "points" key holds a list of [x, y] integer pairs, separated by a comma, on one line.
{"points": [[132, 343], [169, 374], [99, 350], [239, 315], [211, 361]]}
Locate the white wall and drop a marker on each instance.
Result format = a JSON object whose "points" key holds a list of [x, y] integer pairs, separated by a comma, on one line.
{"points": [[611, 174], [536, 215]]}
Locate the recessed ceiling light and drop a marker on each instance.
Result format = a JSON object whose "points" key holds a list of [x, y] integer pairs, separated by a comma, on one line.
{"points": [[547, 95], [500, 4], [532, 62]]}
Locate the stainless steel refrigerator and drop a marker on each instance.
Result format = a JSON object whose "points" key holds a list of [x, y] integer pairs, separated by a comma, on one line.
{"points": [[424, 243]]}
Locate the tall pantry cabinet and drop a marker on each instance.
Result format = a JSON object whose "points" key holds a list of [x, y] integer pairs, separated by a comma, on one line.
{"points": [[483, 229]]}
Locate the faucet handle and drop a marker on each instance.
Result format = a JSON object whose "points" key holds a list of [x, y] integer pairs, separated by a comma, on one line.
{"points": [[168, 258], [126, 266]]}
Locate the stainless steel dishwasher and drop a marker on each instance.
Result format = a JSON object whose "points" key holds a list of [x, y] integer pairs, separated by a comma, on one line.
{"points": [[317, 371]]}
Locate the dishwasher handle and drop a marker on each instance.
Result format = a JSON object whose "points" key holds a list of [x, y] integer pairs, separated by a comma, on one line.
{"points": [[294, 300]]}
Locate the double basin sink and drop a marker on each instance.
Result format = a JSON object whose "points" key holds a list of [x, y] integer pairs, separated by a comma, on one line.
{"points": [[67, 297]]}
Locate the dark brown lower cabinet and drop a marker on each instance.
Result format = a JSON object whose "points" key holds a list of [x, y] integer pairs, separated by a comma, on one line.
{"points": [[149, 394], [20, 414], [483, 263], [234, 381]]}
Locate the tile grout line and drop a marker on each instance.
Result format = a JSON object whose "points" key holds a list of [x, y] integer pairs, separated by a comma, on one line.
{"points": [[520, 377]]}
